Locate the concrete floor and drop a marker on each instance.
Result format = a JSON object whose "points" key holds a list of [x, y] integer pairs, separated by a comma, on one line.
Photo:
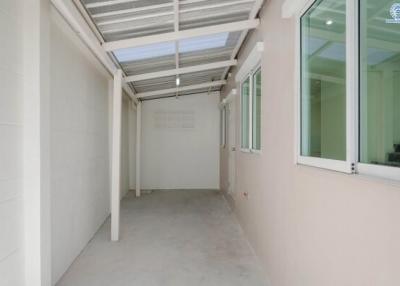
{"points": [[169, 238]]}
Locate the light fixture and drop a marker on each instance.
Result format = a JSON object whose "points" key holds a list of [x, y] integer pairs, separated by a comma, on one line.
{"points": [[329, 22], [178, 81]]}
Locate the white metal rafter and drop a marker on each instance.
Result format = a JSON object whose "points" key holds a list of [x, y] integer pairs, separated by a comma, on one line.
{"points": [[180, 35], [180, 89], [180, 71]]}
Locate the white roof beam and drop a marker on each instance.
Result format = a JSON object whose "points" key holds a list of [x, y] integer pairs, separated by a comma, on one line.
{"points": [[180, 35], [180, 89], [179, 71]]}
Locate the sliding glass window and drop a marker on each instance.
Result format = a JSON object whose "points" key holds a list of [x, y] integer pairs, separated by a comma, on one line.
{"points": [[245, 113], [379, 142], [323, 80], [251, 111], [223, 126], [256, 111]]}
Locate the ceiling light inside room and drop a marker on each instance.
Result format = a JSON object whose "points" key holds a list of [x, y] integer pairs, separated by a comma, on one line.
{"points": [[178, 81], [329, 22]]}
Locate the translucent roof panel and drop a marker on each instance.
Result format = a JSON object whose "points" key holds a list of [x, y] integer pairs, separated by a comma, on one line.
{"points": [[205, 13], [149, 65], [210, 53], [145, 52], [203, 43], [164, 49]]}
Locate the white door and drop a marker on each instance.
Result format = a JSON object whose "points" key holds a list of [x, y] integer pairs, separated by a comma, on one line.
{"points": [[232, 146]]}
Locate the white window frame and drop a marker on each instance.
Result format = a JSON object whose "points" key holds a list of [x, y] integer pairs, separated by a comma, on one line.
{"points": [[348, 165], [250, 76], [255, 70], [223, 126], [352, 165], [243, 149]]}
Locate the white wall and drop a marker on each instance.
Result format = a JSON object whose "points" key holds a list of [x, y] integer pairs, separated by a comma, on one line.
{"points": [[180, 143], [11, 128], [79, 145]]}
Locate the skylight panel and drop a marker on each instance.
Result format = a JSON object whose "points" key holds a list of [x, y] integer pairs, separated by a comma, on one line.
{"points": [[167, 49], [145, 52], [203, 43]]}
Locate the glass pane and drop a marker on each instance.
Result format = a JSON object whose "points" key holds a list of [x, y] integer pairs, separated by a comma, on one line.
{"points": [[380, 82], [323, 80], [245, 113], [221, 126], [257, 110]]}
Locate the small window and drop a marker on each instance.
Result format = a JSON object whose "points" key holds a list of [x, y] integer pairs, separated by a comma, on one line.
{"points": [[323, 81], [256, 113], [251, 111], [245, 112], [223, 127]]}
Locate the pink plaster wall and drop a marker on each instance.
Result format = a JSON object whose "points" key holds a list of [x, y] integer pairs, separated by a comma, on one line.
{"points": [[310, 227]]}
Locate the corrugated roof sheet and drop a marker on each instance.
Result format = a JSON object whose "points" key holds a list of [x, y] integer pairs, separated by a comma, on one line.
{"points": [[124, 19]]}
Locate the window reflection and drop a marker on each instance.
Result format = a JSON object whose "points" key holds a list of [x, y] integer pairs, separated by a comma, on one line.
{"points": [[323, 80], [379, 82]]}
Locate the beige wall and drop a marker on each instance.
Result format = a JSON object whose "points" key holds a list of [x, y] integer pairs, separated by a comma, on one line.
{"points": [[310, 227]]}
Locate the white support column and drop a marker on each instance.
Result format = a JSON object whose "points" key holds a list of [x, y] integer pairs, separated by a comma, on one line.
{"points": [[116, 156], [138, 147]]}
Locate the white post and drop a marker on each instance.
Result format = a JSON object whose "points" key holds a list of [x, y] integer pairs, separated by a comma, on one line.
{"points": [[116, 155], [138, 139]]}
